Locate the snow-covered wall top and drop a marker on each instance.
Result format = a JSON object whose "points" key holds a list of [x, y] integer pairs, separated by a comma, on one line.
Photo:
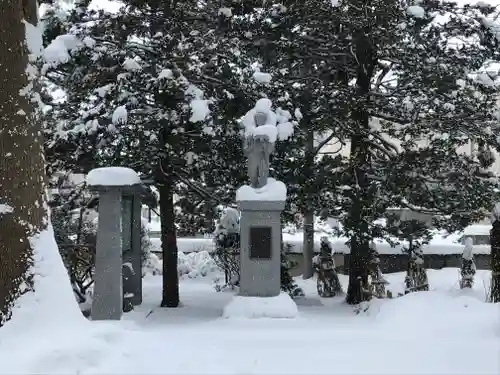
{"points": [[438, 245]]}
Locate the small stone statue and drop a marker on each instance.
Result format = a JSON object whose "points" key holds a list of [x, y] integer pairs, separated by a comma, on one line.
{"points": [[263, 127], [258, 149]]}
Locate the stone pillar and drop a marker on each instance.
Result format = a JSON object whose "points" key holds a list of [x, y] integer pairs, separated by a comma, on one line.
{"points": [[260, 254], [137, 249], [108, 296]]}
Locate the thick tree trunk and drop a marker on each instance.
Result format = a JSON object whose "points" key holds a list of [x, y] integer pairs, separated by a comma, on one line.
{"points": [[170, 297], [358, 220], [22, 209], [308, 240], [308, 245], [495, 262]]}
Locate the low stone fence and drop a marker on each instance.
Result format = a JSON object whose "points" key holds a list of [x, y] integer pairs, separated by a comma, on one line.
{"points": [[389, 263]]}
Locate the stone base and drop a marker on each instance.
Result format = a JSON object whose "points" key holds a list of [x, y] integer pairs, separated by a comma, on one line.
{"points": [[279, 307]]}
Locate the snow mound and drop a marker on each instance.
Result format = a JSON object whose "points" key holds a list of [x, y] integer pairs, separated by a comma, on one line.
{"points": [[113, 176], [192, 265], [448, 309], [152, 265], [416, 11], [281, 307], [262, 77], [272, 191], [52, 301], [196, 264]]}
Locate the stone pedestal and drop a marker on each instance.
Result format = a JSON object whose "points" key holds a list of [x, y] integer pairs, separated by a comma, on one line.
{"points": [[260, 254], [137, 250], [118, 252], [107, 301]]}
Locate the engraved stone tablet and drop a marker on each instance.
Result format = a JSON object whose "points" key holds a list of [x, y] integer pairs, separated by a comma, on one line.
{"points": [[260, 243]]}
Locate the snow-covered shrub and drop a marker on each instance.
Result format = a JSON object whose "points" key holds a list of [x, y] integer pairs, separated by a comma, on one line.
{"points": [[152, 265], [227, 246], [328, 282], [468, 268], [416, 274], [287, 283], [192, 265], [196, 264], [377, 280]]}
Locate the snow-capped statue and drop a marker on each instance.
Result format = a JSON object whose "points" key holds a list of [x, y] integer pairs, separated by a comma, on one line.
{"points": [[262, 127]]}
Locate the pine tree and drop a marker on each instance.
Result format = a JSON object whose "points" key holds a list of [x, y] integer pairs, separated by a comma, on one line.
{"points": [[389, 91], [287, 39], [147, 105], [398, 155]]}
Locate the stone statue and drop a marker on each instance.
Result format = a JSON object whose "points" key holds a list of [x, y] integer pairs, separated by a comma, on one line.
{"points": [[258, 148]]}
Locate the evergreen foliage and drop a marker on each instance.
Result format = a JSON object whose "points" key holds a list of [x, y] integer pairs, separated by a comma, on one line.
{"points": [[399, 94]]}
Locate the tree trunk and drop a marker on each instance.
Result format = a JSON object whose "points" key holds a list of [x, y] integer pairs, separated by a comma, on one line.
{"points": [[308, 240], [170, 297], [308, 245], [361, 200], [495, 262], [209, 209], [22, 209]]}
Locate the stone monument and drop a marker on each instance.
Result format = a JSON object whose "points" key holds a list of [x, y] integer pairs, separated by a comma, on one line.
{"points": [[118, 231], [261, 203]]}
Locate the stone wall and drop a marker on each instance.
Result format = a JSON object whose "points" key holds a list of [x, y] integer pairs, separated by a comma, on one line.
{"points": [[398, 262]]}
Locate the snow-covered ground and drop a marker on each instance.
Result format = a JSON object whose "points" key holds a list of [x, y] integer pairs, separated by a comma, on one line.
{"points": [[443, 331]]}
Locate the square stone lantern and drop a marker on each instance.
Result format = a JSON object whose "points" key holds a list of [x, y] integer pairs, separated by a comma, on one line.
{"points": [[118, 247]]}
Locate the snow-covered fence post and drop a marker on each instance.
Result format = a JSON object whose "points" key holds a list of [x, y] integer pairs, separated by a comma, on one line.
{"points": [[111, 184]]}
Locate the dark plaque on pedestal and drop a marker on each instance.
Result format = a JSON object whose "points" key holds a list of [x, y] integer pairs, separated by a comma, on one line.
{"points": [[260, 243]]}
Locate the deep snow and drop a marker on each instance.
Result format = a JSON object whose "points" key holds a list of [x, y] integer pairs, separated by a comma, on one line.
{"points": [[443, 331]]}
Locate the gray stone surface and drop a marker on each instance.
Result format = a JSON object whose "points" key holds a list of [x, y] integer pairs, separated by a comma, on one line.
{"points": [[108, 297], [118, 244], [137, 251], [257, 148], [260, 277], [132, 252]]}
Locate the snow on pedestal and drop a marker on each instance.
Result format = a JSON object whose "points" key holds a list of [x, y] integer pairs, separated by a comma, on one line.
{"points": [[262, 77], [280, 307], [416, 11], [273, 191], [113, 176]]}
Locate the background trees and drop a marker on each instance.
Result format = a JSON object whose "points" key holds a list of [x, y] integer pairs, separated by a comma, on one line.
{"points": [[160, 88]]}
